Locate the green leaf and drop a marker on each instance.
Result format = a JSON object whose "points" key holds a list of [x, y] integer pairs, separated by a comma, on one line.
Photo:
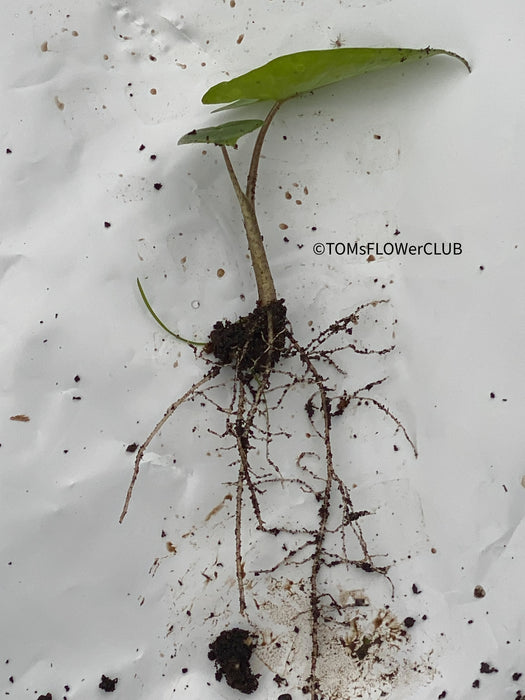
{"points": [[226, 134], [295, 73]]}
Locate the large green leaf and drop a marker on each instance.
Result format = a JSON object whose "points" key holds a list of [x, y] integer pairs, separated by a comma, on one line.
{"points": [[295, 73], [226, 134]]}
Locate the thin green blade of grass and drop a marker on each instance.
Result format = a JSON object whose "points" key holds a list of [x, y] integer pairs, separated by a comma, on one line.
{"points": [[162, 325]]}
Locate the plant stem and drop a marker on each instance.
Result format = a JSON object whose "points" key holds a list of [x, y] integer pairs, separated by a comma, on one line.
{"points": [[261, 268], [256, 155], [263, 276]]}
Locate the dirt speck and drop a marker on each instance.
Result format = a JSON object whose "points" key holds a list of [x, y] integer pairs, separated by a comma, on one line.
{"points": [[20, 418], [479, 592], [487, 668], [108, 684]]}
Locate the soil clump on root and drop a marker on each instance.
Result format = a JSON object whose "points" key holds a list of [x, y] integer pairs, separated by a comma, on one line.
{"points": [[252, 344]]}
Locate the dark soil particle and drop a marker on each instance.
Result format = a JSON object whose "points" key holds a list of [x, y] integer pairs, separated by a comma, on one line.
{"points": [[244, 344], [516, 676], [409, 622], [132, 447], [487, 668], [231, 652], [479, 592], [108, 684], [415, 589], [285, 696], [279, 680], [476, 684], [47, 696]]}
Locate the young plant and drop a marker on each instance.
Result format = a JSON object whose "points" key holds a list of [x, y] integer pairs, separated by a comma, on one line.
{"points": [[267, 361]]}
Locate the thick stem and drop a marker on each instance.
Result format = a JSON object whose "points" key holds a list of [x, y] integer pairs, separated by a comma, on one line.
{"points": [[261, 268]]}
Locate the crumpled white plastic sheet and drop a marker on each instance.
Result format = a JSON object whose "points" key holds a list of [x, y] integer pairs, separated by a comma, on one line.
{"points": [[96, 193]]}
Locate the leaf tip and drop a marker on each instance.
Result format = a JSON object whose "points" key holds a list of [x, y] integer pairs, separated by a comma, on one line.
{"points": [[460, 58]]}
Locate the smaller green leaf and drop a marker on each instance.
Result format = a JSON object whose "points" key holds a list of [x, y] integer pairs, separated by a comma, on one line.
{"points": [[226, 134]]}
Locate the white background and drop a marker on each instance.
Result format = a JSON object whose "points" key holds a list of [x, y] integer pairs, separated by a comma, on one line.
{"points": [[78, 598]]}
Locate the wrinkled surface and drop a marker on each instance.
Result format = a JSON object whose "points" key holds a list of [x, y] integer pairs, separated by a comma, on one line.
{"points": [[83, 597]]}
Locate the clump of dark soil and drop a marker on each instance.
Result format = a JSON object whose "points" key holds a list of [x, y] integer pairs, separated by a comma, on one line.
{"points": [[487, 668], [108, 684], [252, 344], [231, 652]]}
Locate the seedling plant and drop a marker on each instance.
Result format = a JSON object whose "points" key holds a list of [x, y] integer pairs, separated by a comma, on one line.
{"points": [[263, 363]]}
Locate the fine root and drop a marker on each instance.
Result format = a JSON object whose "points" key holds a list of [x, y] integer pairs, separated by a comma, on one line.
{"points": [[268, 363]]}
